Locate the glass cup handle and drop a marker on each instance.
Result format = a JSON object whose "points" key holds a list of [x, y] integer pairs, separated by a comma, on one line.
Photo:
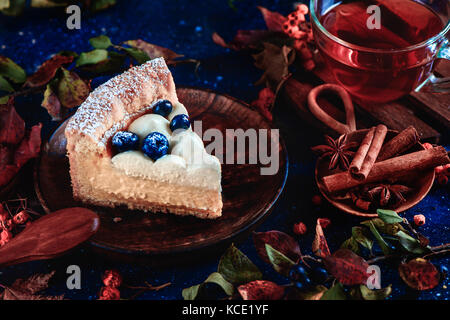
{"points": [[434, 84]]}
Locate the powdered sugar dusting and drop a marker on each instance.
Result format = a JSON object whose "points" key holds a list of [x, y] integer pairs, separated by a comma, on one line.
{"points": [[95, 114]]}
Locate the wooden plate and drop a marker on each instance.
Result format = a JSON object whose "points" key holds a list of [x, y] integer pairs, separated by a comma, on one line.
{"points": [[421, 184], [248, 196]]}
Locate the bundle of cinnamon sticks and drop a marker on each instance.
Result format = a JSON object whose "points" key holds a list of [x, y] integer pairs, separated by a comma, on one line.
{"points": [[376, 161]]}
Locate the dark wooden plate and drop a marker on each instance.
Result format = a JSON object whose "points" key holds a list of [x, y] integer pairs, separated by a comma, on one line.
{"points": [[421, 184], [248, 196]]}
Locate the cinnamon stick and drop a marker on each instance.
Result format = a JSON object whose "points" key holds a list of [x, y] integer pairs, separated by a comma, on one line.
{"points": [[405, 140], [411, 163], [360, 155], [372, 153]]}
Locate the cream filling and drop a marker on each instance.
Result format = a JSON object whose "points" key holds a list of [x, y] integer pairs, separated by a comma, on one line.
{"points": [[187, 162]]}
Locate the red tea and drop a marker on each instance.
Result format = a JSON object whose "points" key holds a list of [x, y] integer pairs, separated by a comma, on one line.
{"points": [[376, 76]]}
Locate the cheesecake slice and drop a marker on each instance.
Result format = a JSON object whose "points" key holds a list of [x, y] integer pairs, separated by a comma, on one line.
{"points": [[130, 143]]}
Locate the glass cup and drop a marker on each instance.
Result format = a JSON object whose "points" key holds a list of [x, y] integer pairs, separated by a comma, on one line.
{"points": [[382, 75]]}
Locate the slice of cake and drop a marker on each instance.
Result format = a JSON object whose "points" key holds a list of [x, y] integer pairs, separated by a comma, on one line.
{"points": [[131, 143]]}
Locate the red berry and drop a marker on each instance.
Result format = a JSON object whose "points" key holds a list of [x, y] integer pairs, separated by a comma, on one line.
{"points": [[112, 278], [419, 219], [317, 200], [21, 217], [447, 169], [6, 236], [439, 169], [109, 293], [442, 179], [302, 9], [300, 228], [427, 145]]}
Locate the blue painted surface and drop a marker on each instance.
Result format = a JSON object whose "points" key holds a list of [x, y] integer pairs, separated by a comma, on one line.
{"points": [[186, 27]]}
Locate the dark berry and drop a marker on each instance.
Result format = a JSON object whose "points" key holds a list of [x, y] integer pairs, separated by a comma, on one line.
{"points": [[124, 141], [299, 285], [297, 273], [443, 270], [180, 121], [155, 145], [319, 274], [163, 108]]}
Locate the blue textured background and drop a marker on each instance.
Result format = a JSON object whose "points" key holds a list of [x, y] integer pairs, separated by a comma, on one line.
{"points": [[186, 27]]}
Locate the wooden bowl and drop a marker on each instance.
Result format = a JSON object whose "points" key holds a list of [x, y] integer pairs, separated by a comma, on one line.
{"points": [[248, 196], [421, 184]]}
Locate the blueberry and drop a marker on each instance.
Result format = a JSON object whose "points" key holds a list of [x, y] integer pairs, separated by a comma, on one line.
{"points": [[180, 121], [155, 145], [124, 141], [299, 285], [163, 108], [297, 273]]}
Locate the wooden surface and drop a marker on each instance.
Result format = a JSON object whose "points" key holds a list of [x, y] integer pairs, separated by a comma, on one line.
{"points": [[50, 236], [429, 113], [247, 195], [421, 184]]}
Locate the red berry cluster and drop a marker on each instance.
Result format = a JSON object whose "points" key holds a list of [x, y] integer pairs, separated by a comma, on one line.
{"points": [[442, 172], [9, 222], [112, 281], [297, 28], [300, 228]]}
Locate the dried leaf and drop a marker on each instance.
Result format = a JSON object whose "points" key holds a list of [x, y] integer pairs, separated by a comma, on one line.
{"points": [[113, 64], [381, 242], [352, 245], [192, 292], [98, 5], [153, 51], [264, 103], [275, 62], [279, 241], [72, 90], [11, 70], [252, 39], [419, 274], [47, 70], [12, 127], [315, 293], [29, 147], [15, 7], [92, 57], [237, 268], [137, 54], [410, 244], [48, 3], [347, 267], [261, 290], [320, 245], [359, 234], [51, 103], [274, 20], [27, 289]]}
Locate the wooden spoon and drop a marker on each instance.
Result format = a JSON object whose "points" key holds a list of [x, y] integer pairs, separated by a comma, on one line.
{"points": [[50, 236]]}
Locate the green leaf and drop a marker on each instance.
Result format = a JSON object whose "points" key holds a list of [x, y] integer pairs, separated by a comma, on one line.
{"points": [[358, 233], [409, 243], [113, 64], [352, 245], [4, 99], [4, 4], [137, 54], [48, 3], [381, 242], [314, 293], [279, 261], [92, 57], [11, 70], [5, 86], [386, 228], [97, 5], [336, 292], [192, 292], [100, 42], [15, 7], [237, 268], [72, 90], [389, 216], [377, 294]]}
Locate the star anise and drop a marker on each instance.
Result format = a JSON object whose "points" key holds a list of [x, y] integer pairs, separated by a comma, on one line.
{"points": [[338, 151], [385, 194]]}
